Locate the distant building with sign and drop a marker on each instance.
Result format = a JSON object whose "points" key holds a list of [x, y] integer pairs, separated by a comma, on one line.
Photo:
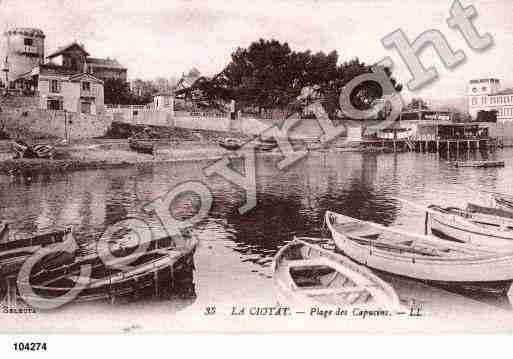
{"points": [[486, 95]]}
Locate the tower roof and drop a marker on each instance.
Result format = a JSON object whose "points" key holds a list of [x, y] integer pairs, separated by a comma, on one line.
{"points": [[63, 49]]}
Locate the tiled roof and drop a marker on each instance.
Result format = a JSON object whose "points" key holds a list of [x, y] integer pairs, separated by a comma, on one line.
{"points": [[62, 49], [108, 63]]}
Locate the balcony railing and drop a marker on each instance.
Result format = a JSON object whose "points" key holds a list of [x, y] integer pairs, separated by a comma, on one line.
{"points": [[29, 49], [88, 93]]}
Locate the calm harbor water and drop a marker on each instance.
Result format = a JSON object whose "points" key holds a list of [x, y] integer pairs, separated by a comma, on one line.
{"points": [[235, 256]]}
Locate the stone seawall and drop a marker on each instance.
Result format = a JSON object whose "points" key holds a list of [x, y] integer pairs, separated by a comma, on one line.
{"points": [[21, 116]]}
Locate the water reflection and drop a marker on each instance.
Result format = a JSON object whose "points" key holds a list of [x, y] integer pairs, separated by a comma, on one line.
{"points": [[290, 202]]}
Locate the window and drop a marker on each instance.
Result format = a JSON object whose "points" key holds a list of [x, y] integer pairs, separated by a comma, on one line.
{"points": [[54, 105], [86, 86], [55, 86], [85, 107], [474, 101], [28, 41]]}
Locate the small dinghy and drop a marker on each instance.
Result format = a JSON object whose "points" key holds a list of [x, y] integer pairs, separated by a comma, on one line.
{"points": [[231, 144], [142, 146], [418, 256], [307, 274], [14, 253], [23, 150], [266, 144], [484, 164], [503, 201], [477, 225]]}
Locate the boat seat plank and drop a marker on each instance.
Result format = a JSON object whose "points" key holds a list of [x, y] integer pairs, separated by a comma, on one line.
{"points": [[326, 291]]}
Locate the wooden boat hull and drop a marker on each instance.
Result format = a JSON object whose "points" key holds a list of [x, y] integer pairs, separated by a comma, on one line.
{"points": [[468, 227], [23, 150], [142, 146], [503, 202], [299, 279], [11, 265], [142, 276], [482, 164], [483, 266], [231, 145], [14, 253]]}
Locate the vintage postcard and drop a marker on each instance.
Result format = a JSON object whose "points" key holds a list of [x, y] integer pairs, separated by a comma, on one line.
{"points": [[284, 166]]}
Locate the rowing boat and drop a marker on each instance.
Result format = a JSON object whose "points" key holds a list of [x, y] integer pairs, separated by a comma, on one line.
{"points": [[266, 144], [23, 150], [503, 201], [142, 146], [483, 164], [418, 256], [307, 274], [231, 144], [133, 274], [14, 253], [477, 225]]}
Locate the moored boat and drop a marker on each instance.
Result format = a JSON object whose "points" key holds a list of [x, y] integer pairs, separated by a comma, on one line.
{"points": [[476, 225], [142, 146], [305, 273], [14, 253], [503, 201], [132, 274], [419, 256], [266, 144], [484, 164], [24, 150], [231, 144]]}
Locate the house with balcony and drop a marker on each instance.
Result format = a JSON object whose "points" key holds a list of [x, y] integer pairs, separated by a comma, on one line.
{"points": [[63, 88], [70, 80]]}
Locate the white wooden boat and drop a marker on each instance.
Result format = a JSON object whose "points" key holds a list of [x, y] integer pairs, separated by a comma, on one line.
{"points": [[418, 256], [477, 226], [307, 274], [503, 201]]}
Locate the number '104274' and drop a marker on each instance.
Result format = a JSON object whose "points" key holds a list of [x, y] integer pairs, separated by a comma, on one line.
{"points": [[29, 347]]}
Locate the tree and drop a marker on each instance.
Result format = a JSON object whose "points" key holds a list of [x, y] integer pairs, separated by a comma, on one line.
{"points": [[268, 74], [116, 91]]}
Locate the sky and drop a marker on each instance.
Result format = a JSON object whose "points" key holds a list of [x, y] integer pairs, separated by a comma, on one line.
{"points": [[166, 37]]}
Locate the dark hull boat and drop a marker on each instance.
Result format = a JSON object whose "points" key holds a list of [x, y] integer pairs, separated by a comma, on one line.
{"points": [[230, 144], [23, 150], [139, 274], [142, 146], [14, 253], [483, 164], [266, 144]]}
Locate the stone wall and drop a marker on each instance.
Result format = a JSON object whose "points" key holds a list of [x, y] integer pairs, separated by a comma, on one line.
{"points": [[305, 129], [21, 116]]}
